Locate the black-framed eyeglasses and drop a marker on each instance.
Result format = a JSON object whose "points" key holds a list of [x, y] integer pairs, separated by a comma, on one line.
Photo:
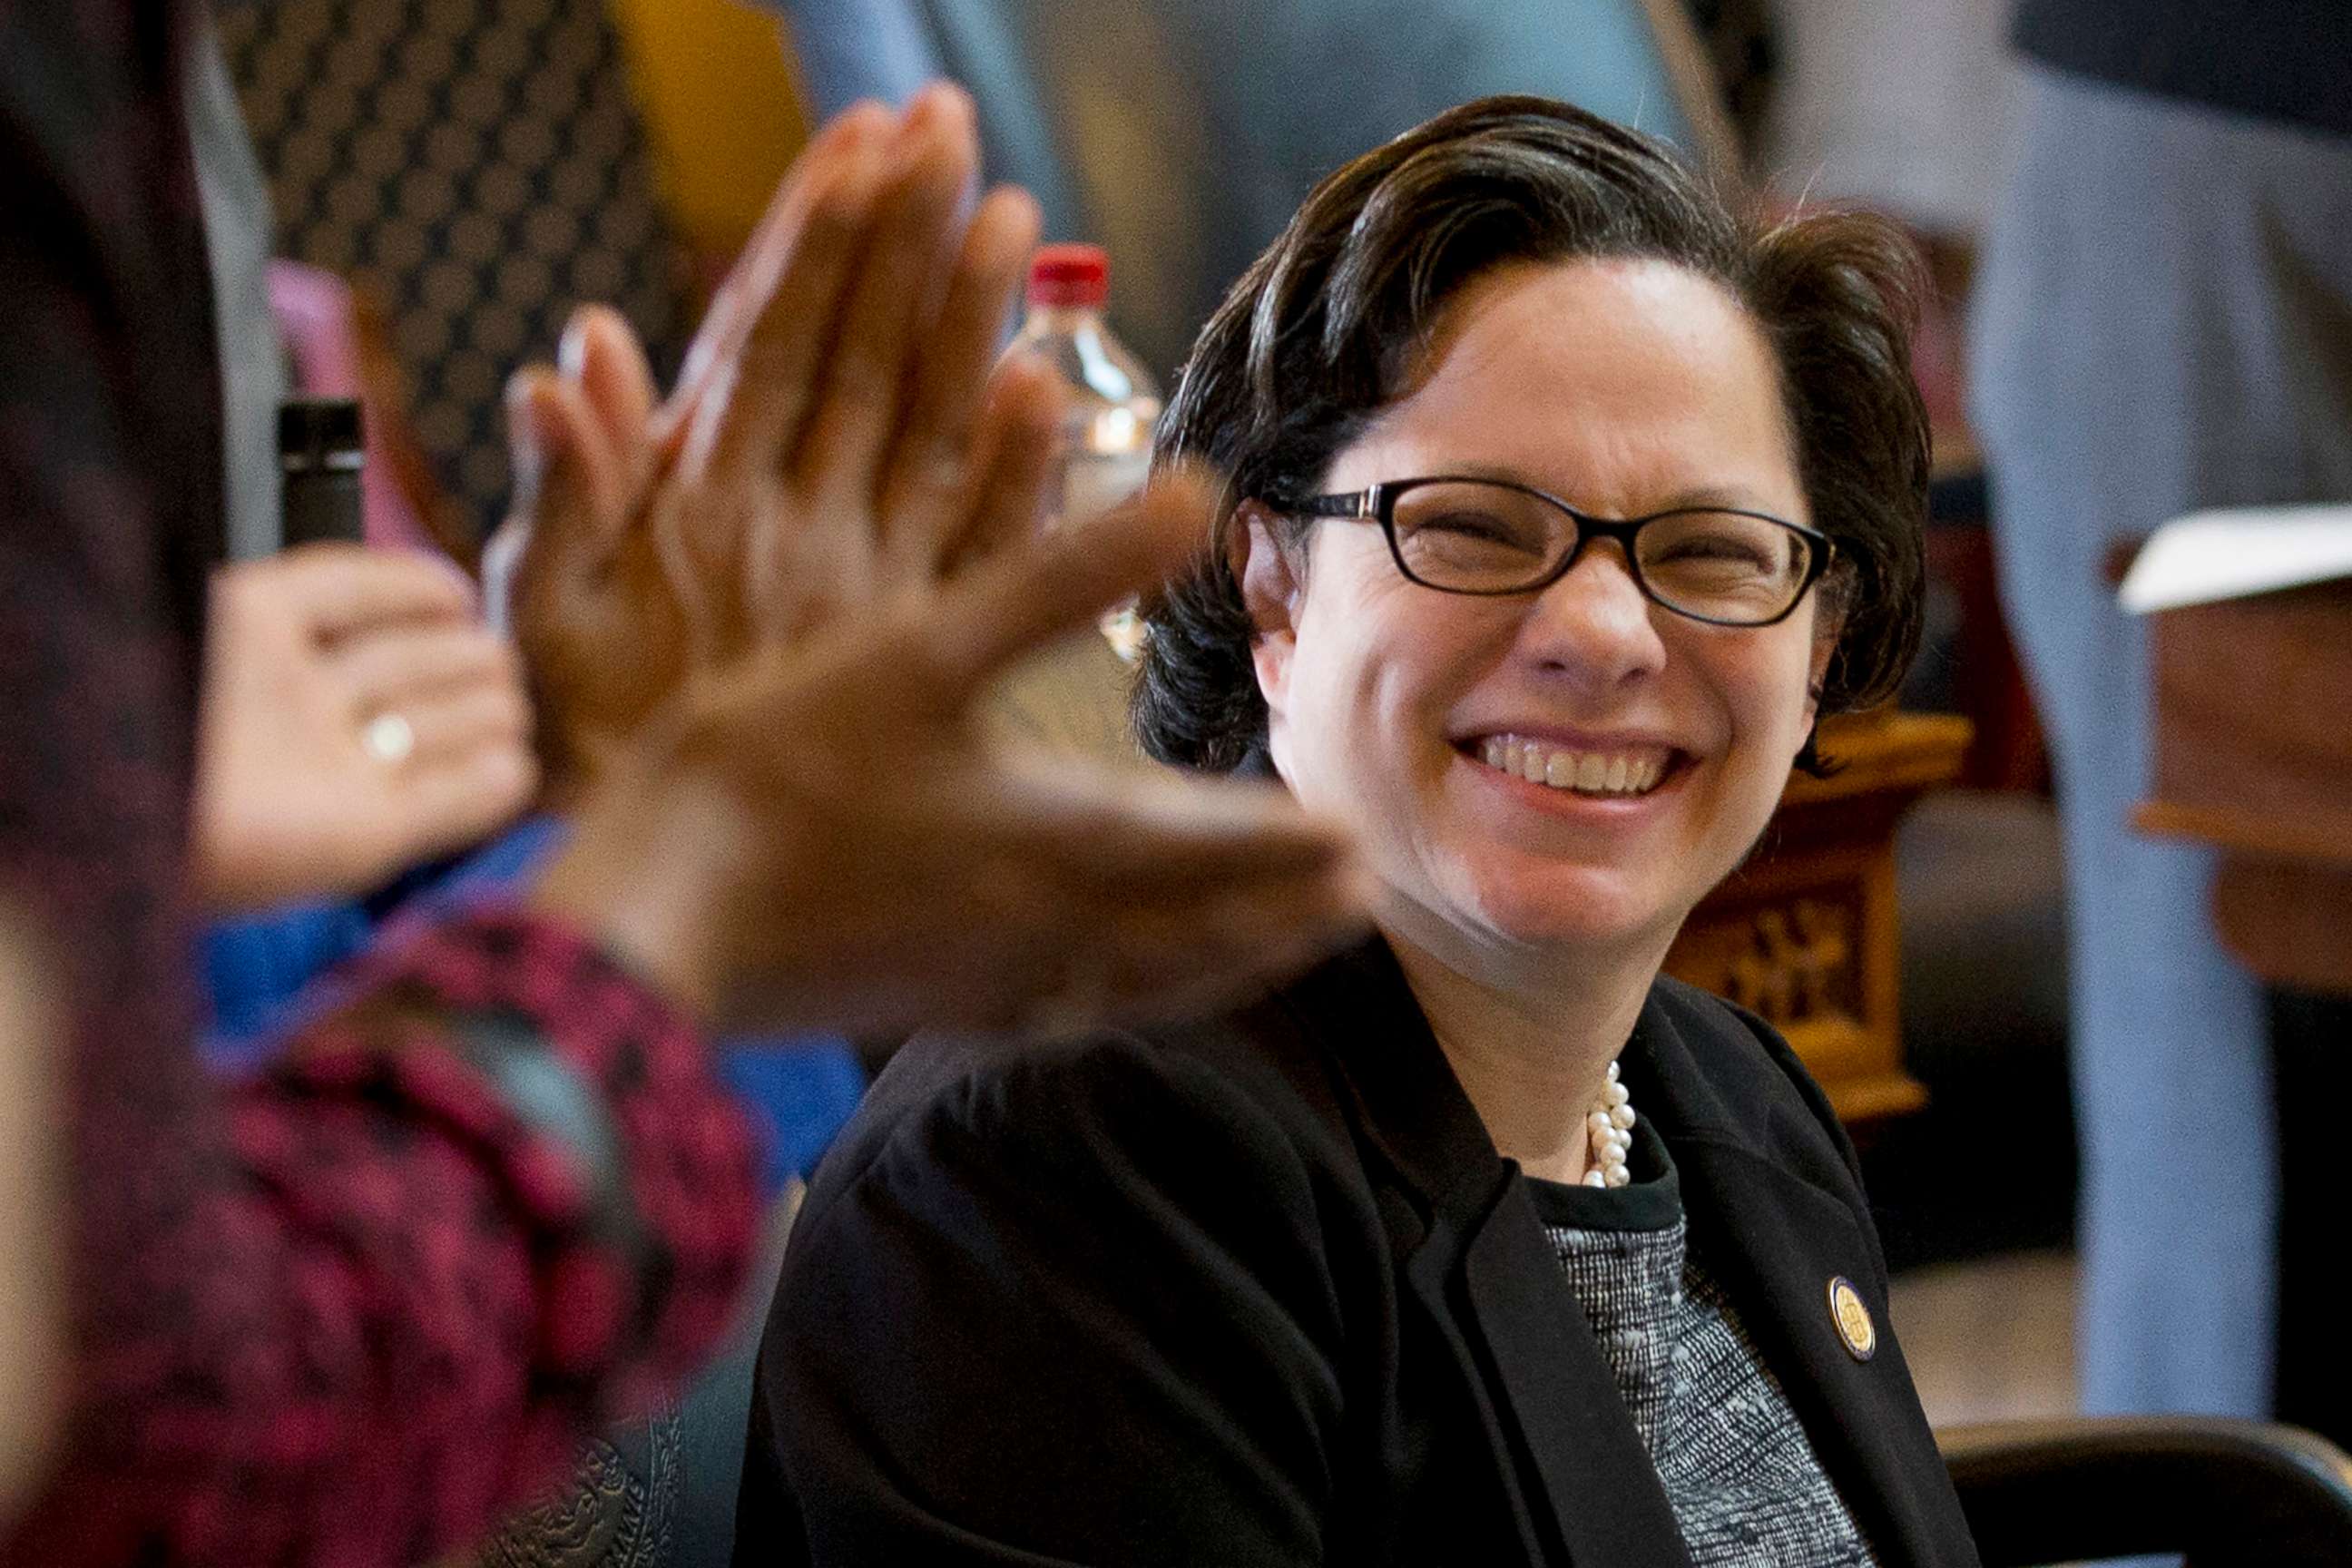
{"points": [[1491, 537]]}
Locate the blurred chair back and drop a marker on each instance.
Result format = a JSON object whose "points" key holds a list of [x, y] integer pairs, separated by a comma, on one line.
{"points": [[1183, 134], [2204, 1490]]}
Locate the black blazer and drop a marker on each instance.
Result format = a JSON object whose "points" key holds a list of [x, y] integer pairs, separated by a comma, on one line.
{"points": [[1259, 1290]]}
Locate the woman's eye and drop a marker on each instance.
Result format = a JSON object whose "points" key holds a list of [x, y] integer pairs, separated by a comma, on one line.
{"points": [[1733, 551], [1475, 526], [1721, 550]]}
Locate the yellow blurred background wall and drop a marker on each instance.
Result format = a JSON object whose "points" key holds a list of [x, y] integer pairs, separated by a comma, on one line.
{"points": [[723, 111]]}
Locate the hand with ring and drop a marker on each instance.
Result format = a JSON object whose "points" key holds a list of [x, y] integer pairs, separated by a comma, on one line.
{"points": [[355, 718]]}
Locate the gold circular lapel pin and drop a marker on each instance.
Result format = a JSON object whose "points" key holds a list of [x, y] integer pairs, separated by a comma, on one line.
{"points": [[1852, 1318]]}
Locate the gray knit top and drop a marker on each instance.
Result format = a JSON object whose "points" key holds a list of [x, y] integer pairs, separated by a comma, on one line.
{"points": [[1743, 1481]]}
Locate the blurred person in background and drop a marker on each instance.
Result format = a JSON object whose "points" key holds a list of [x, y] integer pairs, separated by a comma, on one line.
{"points": [[349, 1309], [1563, 503], [2163, 322], [1902, 104]]}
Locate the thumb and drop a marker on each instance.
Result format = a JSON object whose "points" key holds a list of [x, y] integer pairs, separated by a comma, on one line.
{"points": [[1024, 597]]}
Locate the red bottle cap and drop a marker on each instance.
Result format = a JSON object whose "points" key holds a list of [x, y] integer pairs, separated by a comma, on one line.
{"points": [[1069, 275]]}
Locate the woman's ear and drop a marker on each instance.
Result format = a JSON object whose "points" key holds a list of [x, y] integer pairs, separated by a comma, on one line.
{"points": [[1271, 592], [1817, 670]]}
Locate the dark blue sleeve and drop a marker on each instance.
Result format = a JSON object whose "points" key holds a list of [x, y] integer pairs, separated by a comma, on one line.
{"points": [[802, 1088], [253, 966]]}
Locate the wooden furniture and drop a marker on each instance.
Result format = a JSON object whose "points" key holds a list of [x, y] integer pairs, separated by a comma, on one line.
{"points": [[1806, 932], [2253, 753]]}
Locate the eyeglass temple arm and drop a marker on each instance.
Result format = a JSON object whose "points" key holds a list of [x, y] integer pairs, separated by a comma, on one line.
{"points": [[1351, 503]]}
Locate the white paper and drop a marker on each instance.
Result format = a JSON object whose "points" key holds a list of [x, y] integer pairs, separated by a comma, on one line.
{"points": [[2208, 556]]}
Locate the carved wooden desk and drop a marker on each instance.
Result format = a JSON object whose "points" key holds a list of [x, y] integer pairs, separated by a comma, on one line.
{"points": [[1806, 933], [2253, 753]]}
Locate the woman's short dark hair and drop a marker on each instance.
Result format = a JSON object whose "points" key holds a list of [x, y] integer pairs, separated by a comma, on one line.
{"points": [[1328, 325]]}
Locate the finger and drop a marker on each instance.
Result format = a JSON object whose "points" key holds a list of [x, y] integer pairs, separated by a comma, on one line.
{"points": [[338, 589], [462, 800], [754, 397], [1012, 465], [392, 668], [570, 493], [929, 459], [1033, 592], [1130, 958], [901, 275], [1180, 958], [1158, 835], [570, 499], [735, 306], [454, 723], [600, 354]]}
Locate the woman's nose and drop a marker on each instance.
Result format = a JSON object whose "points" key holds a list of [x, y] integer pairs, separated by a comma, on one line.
{"points": [[1594, 625]]}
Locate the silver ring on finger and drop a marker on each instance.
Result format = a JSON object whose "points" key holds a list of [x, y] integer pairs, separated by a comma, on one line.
{"points": [[388, 739]]}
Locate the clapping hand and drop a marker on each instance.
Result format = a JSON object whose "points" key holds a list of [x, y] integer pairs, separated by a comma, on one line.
{"points": [[836, 436], [762, 614]]}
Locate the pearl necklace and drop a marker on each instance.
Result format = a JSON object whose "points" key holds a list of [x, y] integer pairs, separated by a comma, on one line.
{"points": [[1608, 1134]]}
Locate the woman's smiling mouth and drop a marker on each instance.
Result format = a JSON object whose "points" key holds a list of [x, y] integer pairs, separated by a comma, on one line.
{"points": [[1614, 772]]}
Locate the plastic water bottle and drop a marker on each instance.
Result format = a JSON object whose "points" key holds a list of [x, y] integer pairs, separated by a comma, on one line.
{"points": [[1111, 401], [1072, 697]]}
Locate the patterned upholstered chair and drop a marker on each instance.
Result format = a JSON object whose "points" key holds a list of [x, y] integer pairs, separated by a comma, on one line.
{"points": [[475, 168]]}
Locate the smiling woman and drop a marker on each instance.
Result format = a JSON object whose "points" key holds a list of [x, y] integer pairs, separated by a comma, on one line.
{"points": [[1642, 388], [1562, 505]]}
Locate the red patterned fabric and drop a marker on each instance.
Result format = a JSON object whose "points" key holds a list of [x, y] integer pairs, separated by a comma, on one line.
{"points": [[348, 1311]]}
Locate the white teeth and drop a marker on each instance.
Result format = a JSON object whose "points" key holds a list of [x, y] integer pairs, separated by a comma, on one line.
{"points": [[1586, 773]]}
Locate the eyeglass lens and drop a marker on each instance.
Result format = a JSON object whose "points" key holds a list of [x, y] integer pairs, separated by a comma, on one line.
{"points": [[1491, 539]]}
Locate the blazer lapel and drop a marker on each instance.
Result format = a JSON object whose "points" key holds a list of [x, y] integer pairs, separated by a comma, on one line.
{"points": [[1555, 1387], [1484, 1272], [1776, 1242]]}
